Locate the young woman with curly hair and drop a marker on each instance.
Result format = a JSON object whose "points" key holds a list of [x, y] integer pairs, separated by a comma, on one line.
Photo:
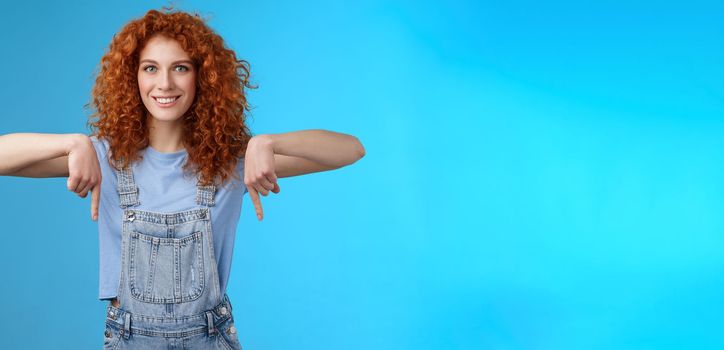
{"points": [[164, 167]]}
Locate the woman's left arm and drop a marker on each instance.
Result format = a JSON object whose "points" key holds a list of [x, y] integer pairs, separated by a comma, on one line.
{"points": [[308, 151], [271, 156]]}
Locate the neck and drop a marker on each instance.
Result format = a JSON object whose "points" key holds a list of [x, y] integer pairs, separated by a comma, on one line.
{"points": [[165, 137]]}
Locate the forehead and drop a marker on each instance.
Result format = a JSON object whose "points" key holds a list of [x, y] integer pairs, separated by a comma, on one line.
{"points": [[163, 49]]}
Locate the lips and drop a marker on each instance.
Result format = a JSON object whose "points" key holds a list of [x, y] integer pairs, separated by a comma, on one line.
{"points": [[168, 99], [165, 101]]}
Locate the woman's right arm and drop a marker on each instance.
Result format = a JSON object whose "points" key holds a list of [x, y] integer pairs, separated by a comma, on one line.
{"points": [[35, 155], [54, 155]]}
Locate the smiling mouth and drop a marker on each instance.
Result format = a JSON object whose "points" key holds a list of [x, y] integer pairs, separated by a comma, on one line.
{"points": [[166, 100]]}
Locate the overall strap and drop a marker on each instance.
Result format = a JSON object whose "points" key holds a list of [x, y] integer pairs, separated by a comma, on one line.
{"points": [[127, 189], [205, 195]]}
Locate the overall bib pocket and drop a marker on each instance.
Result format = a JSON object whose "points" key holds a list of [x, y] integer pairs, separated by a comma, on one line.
{"points": [[166, 270]]}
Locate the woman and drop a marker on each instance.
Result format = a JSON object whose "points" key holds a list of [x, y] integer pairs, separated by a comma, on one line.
{"points": [[164, 168]]}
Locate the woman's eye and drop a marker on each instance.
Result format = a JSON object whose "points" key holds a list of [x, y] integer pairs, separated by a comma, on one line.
{"points": [[182, 68], [150, 69]]}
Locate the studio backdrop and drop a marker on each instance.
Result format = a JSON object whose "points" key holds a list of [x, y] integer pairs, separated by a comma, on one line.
{"points": [[538, 175]]}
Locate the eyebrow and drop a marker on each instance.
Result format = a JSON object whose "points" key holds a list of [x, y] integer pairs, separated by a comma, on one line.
{"points": [[172, 63]]}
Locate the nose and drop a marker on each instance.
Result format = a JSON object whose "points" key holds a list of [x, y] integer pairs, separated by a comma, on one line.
{"points": [[165, 81]]}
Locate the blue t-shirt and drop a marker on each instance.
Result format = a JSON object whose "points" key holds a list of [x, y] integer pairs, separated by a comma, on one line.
{"points": [[163, 187]]}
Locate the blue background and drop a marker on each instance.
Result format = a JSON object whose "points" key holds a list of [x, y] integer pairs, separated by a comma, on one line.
{"points": [[538, 175]]}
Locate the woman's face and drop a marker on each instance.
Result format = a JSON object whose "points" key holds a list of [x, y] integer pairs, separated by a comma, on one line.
{"points": [[166, 79]]}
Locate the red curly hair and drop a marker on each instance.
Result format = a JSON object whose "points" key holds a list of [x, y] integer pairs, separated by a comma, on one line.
{"points": [[215, 134]]}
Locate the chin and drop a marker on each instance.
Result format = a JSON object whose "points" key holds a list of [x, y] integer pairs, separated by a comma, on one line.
{"points": [[166, 118]]}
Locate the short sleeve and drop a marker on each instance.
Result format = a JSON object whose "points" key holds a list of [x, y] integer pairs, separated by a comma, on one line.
{"points": [[240, 172], [109, 223]]}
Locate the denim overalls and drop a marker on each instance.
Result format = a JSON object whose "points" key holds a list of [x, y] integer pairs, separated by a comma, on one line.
{"points": [[169, 286]]}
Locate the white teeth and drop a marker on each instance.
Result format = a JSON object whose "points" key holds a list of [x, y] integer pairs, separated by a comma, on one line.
{"points": [[166, 100]]}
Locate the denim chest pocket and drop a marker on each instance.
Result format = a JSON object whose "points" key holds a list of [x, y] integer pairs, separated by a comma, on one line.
{"points": [[166, 270]]}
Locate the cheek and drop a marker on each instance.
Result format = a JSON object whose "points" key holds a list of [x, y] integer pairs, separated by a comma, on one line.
{"points": [[190, 87], [142, 86]]}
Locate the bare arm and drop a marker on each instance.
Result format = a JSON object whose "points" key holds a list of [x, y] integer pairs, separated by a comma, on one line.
{"points": [[286, 166], [36, 155], [56, 167], [307, 151], [271, 156], [54, 155]]}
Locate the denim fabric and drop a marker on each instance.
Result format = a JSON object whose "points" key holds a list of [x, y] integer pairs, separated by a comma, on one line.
{"points": [[169, 290], [190, 332], [162, 186]]}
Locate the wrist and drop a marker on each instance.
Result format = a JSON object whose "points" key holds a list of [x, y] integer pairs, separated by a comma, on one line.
{"points": [[74, 142], [266, 141]]}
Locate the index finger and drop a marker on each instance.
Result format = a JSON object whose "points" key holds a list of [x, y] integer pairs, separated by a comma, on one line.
{"points": [[95, 200], [257, 203]]}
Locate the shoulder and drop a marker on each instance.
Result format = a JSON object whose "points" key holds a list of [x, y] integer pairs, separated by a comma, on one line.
{"points": [[101, 146], [99, 141]]}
